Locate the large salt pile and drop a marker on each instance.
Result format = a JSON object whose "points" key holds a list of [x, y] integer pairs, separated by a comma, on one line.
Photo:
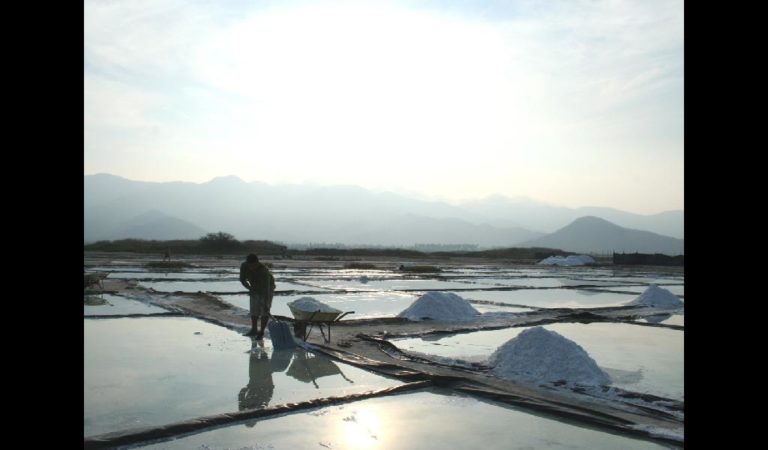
{"points": [[439, 306], [310, 304], [573, 260], [658, 298], [538, 354]]}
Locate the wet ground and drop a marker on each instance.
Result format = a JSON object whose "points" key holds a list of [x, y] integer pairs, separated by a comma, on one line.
{"points": [[146, 370]]}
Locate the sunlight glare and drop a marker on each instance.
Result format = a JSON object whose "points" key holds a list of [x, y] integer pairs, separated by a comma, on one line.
{"points": [[362, 429]]}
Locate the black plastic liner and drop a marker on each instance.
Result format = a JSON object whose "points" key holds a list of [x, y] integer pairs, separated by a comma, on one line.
{"points": [[164, 432]]}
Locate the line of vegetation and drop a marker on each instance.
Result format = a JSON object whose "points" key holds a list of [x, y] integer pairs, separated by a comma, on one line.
{"points": [[533, 253], [656, 259], [512, 253], [347, 252], [222, 243]]}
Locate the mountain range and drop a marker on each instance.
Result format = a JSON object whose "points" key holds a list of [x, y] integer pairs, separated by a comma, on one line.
{"points": [[591, 234], [116, 208]]}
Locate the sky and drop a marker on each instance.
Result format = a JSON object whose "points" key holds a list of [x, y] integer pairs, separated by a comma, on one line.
{"points": [[573, 103]]}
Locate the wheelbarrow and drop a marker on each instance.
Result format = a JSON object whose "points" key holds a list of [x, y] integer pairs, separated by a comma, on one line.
{"points": [[307, 320]]}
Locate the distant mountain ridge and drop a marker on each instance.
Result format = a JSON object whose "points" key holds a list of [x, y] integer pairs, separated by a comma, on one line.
{"points": [[523, 212], [302, 213], [158, 226], [595, 235]]}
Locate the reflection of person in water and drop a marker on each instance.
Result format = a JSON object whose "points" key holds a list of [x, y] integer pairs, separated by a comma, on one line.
{"points": [[258, 393]]}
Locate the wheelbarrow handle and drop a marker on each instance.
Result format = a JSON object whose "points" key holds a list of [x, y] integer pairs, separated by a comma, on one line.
{"points": [[342, 315]]}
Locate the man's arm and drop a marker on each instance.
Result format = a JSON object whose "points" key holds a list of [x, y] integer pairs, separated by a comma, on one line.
{"points": [[243, 280]]}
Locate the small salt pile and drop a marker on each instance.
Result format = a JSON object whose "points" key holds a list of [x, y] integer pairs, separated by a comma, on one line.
{"points": [[540, 355], [445, 306], [658, 298], [310, 304]]}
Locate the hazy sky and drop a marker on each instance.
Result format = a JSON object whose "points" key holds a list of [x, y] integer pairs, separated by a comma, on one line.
{"points": [[574, 103]]}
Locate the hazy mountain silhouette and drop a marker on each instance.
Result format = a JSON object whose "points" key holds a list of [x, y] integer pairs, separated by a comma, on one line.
{"points": [[523, 212], [159, 226], [595, 235], [306, 213]]}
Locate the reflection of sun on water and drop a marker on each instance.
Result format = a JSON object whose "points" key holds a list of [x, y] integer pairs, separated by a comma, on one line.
{"points": [[361, 429]]}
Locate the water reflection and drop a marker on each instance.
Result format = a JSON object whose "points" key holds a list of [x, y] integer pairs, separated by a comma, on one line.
{"points": [[572, 282], [258, 392], [308, 367], [95, 300], [305, 366]]}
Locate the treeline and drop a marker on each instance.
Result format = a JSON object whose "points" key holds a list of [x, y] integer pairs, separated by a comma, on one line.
{"points": [[394, 252], [225, 243], [211, 243], [516, 253], [523, 254], [646, 259]]}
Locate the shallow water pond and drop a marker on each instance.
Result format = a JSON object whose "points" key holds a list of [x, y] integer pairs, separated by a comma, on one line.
{"points": [[596, 282], [666, 319], [154, 371], [644, 359], [118, 305], [420, 420], [551, 298], [637, 290], [395, 284], [364, 304], [228, 285], [109, 269], [640, 358], [194, 286], [524, 281], [484, 309], [161, 276]]}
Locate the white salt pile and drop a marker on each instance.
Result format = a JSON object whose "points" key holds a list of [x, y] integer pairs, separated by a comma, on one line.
{"points": [[657, 297], [310, 304], [439, 306], [540, 355], [573, 260]]}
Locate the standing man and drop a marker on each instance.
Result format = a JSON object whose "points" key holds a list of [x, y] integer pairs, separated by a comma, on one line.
{"points": [[260, 283]]}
